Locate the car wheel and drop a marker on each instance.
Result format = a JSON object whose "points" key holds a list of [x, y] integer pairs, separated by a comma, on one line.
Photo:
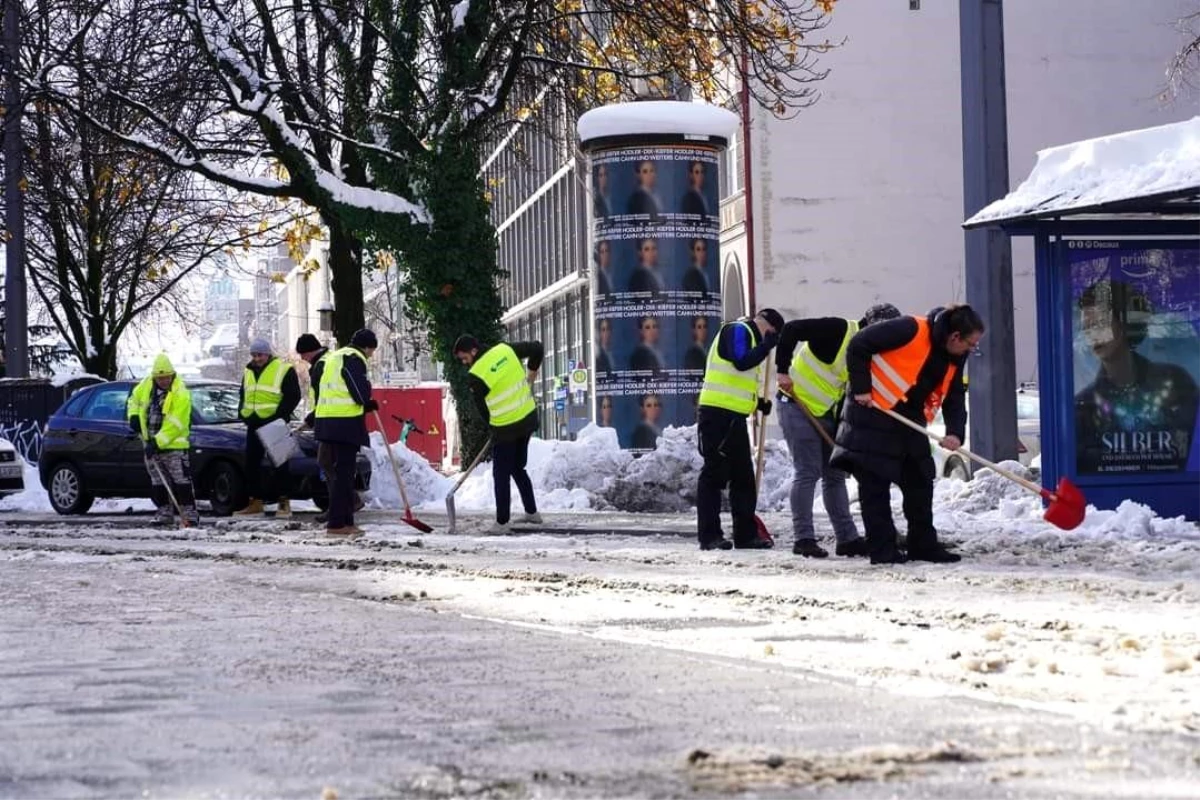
{"points": [[225, 488], [67, 493], [956, 468], [321, 501]]}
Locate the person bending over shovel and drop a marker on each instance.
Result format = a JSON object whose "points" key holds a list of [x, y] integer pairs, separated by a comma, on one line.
{"points": [[912, 366], [812, 384], [501, 387]]}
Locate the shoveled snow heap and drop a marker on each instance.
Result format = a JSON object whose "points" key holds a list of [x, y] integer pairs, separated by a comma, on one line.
{"points": [[594, 474]]}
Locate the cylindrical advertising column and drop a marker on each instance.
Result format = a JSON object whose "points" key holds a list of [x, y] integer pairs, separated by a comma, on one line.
{"points": [[656, 283]]}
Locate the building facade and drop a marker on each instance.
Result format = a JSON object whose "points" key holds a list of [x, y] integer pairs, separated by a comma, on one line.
{"points": [[540, 209], [859, 198]]}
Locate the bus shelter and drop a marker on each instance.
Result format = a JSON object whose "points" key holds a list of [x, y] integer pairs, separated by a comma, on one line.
{"points": [[1116, 228]]}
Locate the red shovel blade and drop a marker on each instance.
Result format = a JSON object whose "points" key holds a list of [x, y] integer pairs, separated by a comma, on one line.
{"points": [[1067, 506], [416, 523], [764, 535]]}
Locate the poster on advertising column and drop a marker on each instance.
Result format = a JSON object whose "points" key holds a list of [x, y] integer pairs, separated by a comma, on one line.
{"points": [[657, 295], [1136, 335]]}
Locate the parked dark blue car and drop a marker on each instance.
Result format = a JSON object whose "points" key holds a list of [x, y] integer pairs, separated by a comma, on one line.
{"points": [[88, 451]]}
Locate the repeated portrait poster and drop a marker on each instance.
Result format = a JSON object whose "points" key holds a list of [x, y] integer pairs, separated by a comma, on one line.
{"points": [[657, 285], [1136, 335]]}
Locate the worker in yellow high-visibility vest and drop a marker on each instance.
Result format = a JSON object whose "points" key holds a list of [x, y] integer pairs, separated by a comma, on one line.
{"points": [[811, 359], [500, 379], [160, 412], [309, 348], [730, 394], [270, 391], [343, 398]]}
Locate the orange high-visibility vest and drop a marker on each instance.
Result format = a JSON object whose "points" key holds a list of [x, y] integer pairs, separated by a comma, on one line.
{"points": [[893, 373]]}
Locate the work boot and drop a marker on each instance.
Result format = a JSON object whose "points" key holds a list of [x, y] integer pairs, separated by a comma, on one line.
{"points": [[191, 516], [531, 519], [285, 508], [937, 554], [892, 556], [752, 544], [344, 532], [500, 528], [716, 544], [854, 547], [252, 509], [809, 549]]}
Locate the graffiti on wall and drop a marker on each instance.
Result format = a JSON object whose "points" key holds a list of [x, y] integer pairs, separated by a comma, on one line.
{"points": [[26, 436]]}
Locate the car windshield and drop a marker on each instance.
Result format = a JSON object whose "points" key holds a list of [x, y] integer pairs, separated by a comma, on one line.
{"points": [[213, 405]]}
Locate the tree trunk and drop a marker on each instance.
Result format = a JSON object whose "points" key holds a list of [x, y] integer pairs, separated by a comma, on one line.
{"points": [[454, 272], [345, 270], [103, 362]]}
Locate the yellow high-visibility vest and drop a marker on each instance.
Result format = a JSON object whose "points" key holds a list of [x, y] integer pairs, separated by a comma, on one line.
{"points": [[262, 393], [726, 386], [509, 398], [176, 410], [334, 399], [816, 384]]}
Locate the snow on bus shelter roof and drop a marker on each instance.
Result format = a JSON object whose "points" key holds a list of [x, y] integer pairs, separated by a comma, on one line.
{"points": [[1150, 171]]}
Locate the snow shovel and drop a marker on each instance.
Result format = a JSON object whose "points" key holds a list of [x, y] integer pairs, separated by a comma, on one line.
{"points": [[813, 420], [409, 519], [760, 527], [183, 523], [1067, 503], [450, 497]]}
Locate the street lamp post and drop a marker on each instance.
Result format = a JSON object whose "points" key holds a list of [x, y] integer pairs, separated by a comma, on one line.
{"points": [[988, 253]]}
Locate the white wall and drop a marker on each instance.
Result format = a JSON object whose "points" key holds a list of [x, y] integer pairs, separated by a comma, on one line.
{"points": [[859, 199]]}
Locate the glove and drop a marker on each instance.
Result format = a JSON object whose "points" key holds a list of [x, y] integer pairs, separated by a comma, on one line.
{"points": [[134, 425], [310, 419], [370, 406], [151, 447], [764, 406]]}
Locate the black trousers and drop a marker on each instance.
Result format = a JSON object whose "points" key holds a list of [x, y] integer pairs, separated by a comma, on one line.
{"points": [[874, 495], [724, 444], [508, 462], [339, 460], [264, 480]]}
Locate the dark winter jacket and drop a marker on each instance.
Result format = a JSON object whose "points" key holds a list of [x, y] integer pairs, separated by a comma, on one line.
{"points": [[532, 354], [348, 430], [869, 439], [287, 403]]}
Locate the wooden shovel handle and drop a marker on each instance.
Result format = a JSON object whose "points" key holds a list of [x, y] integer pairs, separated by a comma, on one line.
{"points": [[474, 463], [1030, 485], [760, 457], [811, 418], [392, 459]]}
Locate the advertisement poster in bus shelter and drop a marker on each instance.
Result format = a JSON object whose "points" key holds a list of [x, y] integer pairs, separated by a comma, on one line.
{"points": [[657, 285], [1136, 334]]}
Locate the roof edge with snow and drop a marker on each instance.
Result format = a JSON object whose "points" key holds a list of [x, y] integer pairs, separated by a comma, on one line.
{"points": [[1153, 170], [657, 118]]}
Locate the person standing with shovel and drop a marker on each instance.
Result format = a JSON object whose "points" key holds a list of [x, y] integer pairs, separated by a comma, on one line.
{"points": [[500, 379], [812, 385], [910, 367], [343, 400], [160, 412], [728, 396]]}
